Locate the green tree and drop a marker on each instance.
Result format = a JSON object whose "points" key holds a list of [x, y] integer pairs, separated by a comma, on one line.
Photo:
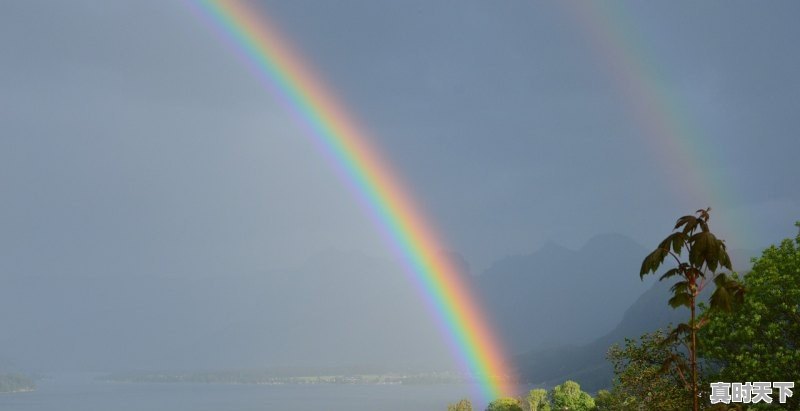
{"points": [[463, 405], [705, 254], [640, 381], [760, 340], [504, 404], [537, 400], [568, 396], [606, 401]]}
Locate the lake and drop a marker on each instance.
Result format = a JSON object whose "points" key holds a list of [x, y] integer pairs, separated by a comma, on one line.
{"points": [[81, 392]]}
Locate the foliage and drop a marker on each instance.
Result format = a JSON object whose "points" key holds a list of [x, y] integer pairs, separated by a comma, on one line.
{"points": [[606, 401], [504, 404], [568, 396], [641, 383], [537, 400], [463, 405], [705, 254], [760, 341]]}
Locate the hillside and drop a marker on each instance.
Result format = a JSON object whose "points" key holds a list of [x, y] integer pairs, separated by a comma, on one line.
{"points": [[560, 309], [587, 364], [557, 296]]}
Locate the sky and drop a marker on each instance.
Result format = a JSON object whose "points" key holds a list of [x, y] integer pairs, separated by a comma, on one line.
{"points": [[506, 116], [132, 132], [135, 142]]}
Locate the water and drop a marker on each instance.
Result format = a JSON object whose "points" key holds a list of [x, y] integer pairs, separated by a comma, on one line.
{"points": [[81, 392]]}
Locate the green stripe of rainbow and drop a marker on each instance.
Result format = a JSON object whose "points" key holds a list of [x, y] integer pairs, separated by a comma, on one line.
{"points": [[693, 165], [280, 67]]}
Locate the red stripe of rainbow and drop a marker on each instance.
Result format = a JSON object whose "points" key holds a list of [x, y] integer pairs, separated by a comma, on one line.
{"points": [[692, 163], [282, 69]]}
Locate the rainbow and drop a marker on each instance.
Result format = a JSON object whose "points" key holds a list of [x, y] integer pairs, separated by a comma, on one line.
{"points": [[281, 69], [678, 143]]}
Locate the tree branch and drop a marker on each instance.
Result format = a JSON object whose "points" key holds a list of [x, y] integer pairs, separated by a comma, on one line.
{"points": [[674, 256], [702, 285], [680, 374]]}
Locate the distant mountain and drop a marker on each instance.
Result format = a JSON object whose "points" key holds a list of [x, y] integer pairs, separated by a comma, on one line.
{"points": [[587, 363], [557, 296], [338, 309]]}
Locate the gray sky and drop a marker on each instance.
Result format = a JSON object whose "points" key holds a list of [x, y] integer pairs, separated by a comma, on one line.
{"points": [[131, 132], [134, 142]]}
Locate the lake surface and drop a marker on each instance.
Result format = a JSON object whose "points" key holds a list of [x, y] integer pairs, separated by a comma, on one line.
{"points": [[81, 392]]}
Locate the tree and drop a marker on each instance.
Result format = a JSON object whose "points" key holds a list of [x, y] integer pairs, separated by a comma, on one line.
{"points": [[537, 400], [705, 254], [504, 404], [463, 405], [760, 340], [640, 383], [606, 401], [568, 396]]}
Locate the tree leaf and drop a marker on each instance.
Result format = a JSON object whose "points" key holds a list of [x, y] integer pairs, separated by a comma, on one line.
{"points": [[653, 261], [727, 295], [705, 248], [688, 222], [723, 257], [680, 287], [675, 241], [680, 299], [682, 329], [671, 272]]}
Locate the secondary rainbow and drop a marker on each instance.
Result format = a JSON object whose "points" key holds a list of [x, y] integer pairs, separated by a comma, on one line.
{"points": [[681, 147], [280, 67]]}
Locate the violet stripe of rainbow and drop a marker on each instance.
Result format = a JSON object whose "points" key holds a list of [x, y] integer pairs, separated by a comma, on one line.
{"points": [[455, 306], [681, 148]]}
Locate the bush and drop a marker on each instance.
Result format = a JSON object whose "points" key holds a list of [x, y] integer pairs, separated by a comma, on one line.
{"points": [[504, 404], [463, 405], [568, 396]]}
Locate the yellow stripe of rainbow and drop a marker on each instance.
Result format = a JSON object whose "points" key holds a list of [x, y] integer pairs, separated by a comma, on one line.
{"points": [[457, 310]]}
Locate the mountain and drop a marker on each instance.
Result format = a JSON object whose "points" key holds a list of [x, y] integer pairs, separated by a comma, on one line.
{"points": [[557, 296], [587, 363]]}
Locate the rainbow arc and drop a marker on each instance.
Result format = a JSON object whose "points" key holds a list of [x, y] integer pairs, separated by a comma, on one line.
{"points": [[331, 126]]}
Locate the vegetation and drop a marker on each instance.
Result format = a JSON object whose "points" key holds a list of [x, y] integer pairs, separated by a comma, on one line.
{"points": [[463, 405], [568, 396], [537, 400], [505, 404], [280, 377], [641, 383], [16, 383], [705, 254], [760, 340], [732, 338]]}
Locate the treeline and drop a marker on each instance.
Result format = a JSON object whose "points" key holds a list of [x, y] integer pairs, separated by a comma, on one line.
{"points": [[742, 329], [16, 383], [567, 396], [267, 377]]}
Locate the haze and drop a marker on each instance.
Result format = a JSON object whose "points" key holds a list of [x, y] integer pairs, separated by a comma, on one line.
{"points": [[161, 209]]}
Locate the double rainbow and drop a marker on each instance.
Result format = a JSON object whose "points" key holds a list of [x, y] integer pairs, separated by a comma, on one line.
{"points": [[282, 70]]}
